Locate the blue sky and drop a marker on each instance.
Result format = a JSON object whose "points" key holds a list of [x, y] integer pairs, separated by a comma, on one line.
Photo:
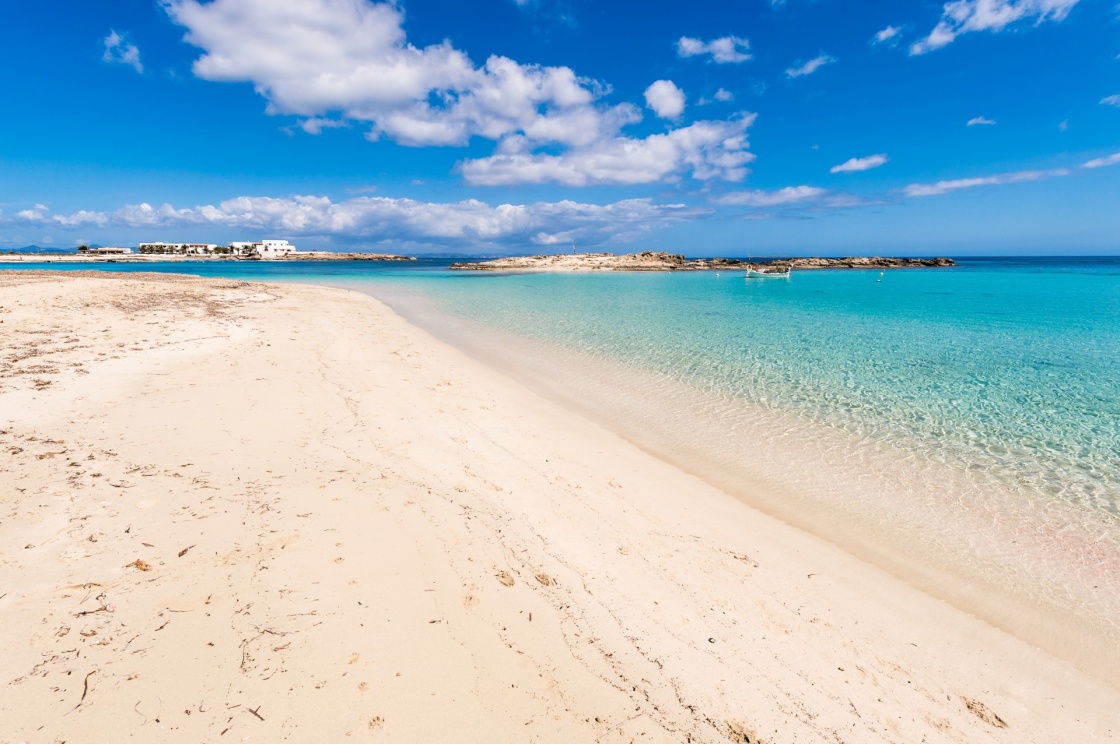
{"points": [[496, 126]]}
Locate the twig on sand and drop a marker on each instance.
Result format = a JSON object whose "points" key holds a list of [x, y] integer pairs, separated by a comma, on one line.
{"points": [[85, 691], [255, 713], [618, 725]]}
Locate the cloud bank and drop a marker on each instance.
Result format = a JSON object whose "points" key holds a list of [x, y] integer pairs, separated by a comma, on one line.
{"points": [[467, 223], [328, 61]]}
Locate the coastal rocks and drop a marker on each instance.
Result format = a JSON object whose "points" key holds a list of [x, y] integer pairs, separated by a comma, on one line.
{"points": [[660, 261], [330, 256], [863, 262], [647, 261]]}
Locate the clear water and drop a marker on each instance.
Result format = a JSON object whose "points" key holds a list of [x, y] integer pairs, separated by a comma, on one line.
{"points": [[1008, 368], [1002, 365], [976, 409]]}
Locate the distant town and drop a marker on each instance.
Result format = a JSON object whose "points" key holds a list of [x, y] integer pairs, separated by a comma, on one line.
{"points": [[260, 250]]}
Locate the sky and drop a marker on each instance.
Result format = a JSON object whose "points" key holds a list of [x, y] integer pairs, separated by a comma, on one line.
{"points": [[730, 127]]}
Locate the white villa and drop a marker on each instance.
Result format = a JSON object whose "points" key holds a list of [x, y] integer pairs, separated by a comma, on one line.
{"points": [[105, 251], [275, 248], [263, 248]]}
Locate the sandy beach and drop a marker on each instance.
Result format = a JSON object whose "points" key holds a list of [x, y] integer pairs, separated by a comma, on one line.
{"points": [[238, 511]]}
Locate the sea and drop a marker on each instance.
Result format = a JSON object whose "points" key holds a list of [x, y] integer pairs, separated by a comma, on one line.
{"points": [[959, 426]]}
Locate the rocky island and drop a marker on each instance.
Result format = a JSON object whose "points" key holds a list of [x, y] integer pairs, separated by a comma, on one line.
{"points": [[655, 261]]}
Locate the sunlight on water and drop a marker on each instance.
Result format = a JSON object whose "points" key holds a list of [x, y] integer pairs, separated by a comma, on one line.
{"points": [[1009, 371]]}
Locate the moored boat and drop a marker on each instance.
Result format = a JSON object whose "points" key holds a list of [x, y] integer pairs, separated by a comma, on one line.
{"points": [[761, 273]]}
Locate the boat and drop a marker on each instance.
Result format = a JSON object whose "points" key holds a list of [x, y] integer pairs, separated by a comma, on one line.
{"points": [[753, 273]]}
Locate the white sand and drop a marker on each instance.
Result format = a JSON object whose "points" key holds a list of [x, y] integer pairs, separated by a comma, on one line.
{"points": [[386, 540]]}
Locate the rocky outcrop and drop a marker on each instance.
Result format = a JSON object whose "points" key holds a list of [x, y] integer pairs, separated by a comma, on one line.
{"points": [[329, 256], [653, 261]]}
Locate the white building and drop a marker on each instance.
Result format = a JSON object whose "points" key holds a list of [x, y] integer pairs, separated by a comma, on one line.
{"points": [[275, 248]]}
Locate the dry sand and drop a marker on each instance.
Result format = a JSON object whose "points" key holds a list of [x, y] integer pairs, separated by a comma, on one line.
{"points": [[236, 512]]}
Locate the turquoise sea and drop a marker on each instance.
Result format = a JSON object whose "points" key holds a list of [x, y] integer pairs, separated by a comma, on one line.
{"points": [[967, 416]]}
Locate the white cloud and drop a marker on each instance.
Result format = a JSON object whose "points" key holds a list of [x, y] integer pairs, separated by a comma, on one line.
{"points": [[726, 50], [666, 99], [981, 121], [709, 149], [945, 187], [1111, 100], [1063, 125], [333, 61], [962, 16], [316, 124], [808, 68], [469, 222], [40, 214], [723, 95], [855, 165], [1112, 159], [887, 34], [118, 49], [780, 197]]}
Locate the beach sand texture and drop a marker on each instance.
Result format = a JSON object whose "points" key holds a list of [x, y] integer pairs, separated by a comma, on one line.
{"points": [[233, 511]]}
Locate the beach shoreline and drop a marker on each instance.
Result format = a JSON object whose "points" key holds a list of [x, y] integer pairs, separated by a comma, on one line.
{"points": [[995, 571], [274, 510]]}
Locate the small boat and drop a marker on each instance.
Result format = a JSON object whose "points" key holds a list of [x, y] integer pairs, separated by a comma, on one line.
{"points": [[753, 273]]}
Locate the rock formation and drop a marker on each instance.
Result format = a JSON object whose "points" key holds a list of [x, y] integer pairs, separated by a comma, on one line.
{"points": [[652, 261]]}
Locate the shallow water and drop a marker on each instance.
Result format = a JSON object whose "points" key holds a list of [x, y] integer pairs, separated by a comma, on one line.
{"points": [[965, 417]]}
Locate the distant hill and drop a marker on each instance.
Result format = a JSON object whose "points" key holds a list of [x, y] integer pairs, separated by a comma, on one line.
{"points": [[39, 249]]}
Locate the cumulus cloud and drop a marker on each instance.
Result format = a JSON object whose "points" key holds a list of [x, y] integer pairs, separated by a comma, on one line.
{"points": [[854, 165], [119, 50], [1112, 159], [349, 60], [779, 197], [723, 95], [708, 149], [981, 121], [945, 187], [888, 33], [726, 50], [1111, 100], [808, 68], [963, 16], [469, 222], [40, 215], [666, 99]]}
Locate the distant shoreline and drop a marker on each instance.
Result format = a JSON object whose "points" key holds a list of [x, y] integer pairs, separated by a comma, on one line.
{"points": [[652, 261], [161, 258]]}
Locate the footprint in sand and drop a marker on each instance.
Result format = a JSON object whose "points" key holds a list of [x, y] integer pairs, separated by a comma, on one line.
{"points": [[505, 578]]}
